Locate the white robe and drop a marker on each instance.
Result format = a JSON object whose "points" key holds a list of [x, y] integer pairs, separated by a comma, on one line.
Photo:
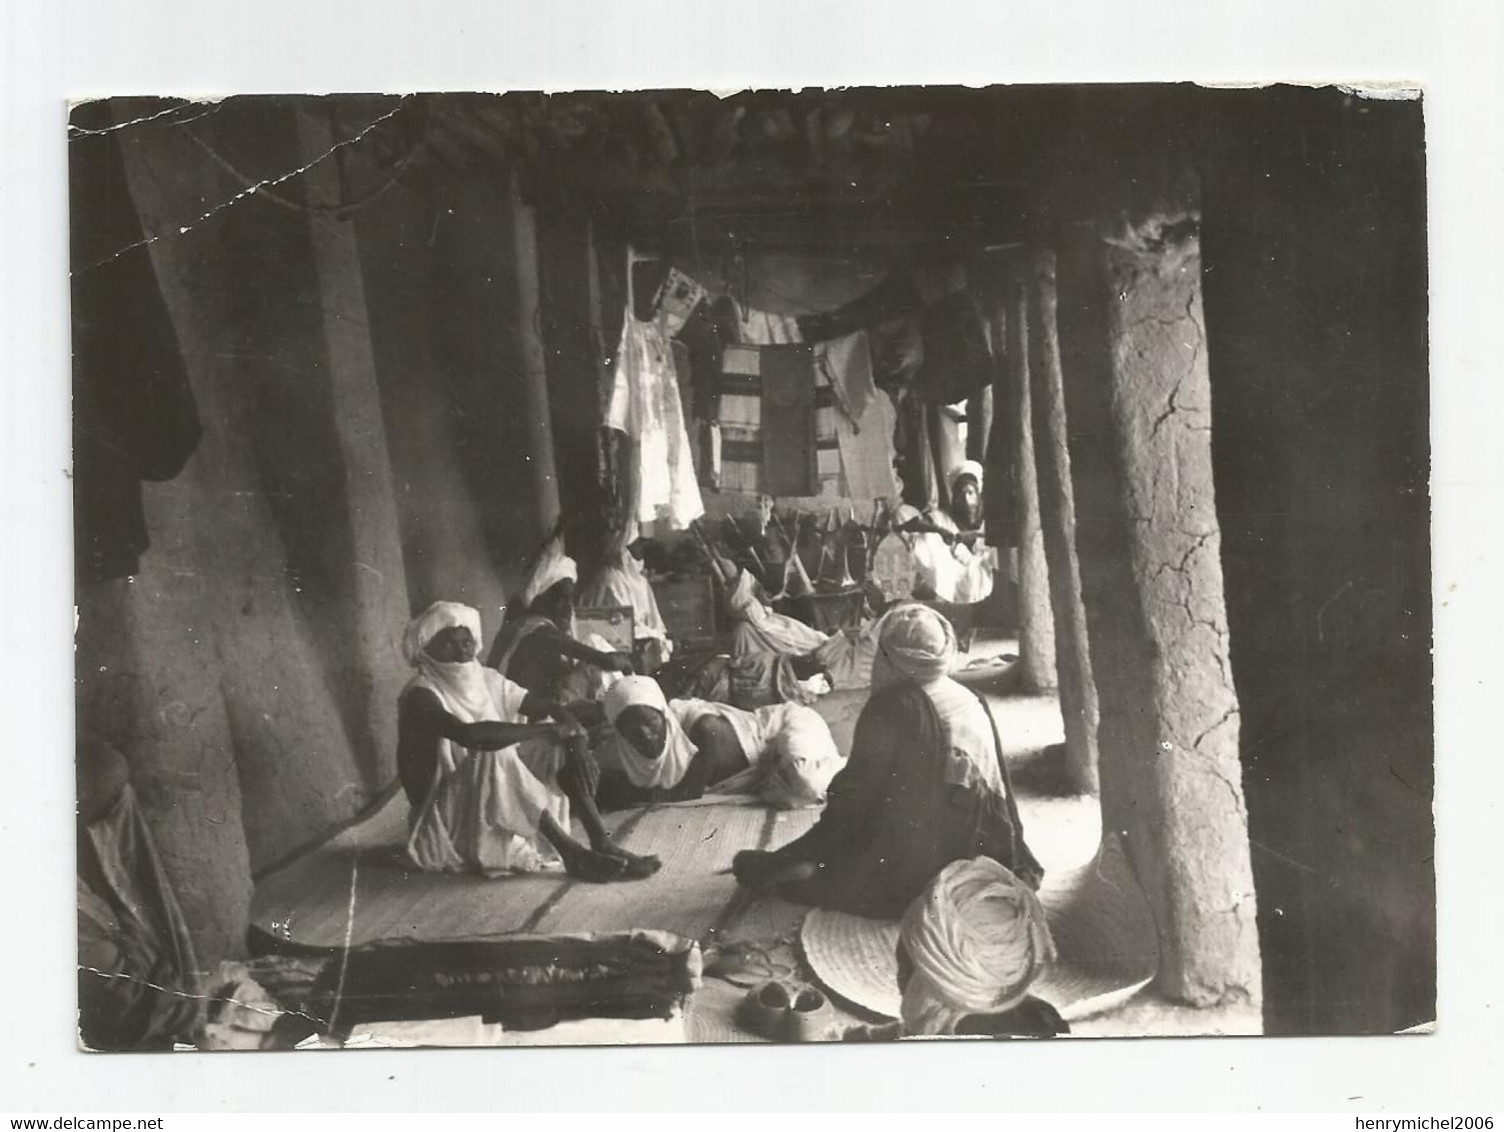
{"points": [[952, 571], [483, 810]]}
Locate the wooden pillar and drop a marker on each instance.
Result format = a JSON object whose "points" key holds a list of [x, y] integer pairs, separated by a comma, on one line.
{"points": [[1138, 400], [1057, 516], [978, 424], [528, 327], [1036, 619]]}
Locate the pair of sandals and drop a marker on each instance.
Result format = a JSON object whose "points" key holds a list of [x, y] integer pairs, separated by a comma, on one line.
{"points": [[786, 1012], [777, 1007]]}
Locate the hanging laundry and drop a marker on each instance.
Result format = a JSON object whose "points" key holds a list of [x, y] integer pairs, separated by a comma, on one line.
{"points": [[891, 299], [790, 466], [677, 300], [778, 424], [741, 420], [760, 328], [847, 365], [897, 350], [644, 404], [957, 361], [864, 421]]}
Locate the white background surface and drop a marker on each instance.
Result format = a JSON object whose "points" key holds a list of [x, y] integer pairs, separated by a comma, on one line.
{"points": [[52, 51]]}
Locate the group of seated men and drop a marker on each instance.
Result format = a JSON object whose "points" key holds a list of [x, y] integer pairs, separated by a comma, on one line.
{"points": [[919, 821]]}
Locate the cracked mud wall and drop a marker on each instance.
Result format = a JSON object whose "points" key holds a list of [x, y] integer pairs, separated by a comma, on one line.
{"points": [[249, 670], [1137, 390]]}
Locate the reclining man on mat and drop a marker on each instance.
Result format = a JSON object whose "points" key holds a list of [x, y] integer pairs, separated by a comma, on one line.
{"points": [[971, 946], [490, 790], [925, 785], [674, 751], [779, 653]]}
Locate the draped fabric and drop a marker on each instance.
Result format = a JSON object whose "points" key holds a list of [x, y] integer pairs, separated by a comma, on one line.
{"points": [[134, 414], [783, 283], [138, 984], [864, 418], [644, 403], [757, 435], [788, 421]]}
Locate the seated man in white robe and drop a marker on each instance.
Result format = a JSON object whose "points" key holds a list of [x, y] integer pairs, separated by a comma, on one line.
{"points": [[490, 789], [620, 581], [952, 561]]}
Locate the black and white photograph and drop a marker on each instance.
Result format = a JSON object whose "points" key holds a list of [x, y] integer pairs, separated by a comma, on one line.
{"points": [[676, 567]]}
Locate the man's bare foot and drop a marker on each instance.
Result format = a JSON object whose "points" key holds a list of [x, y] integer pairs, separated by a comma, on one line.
{"points": [[637, 866], [594, 868]]}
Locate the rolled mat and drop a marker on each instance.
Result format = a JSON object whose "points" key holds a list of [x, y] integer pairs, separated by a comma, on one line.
{"points": [[1107, 947], [524, 982]]}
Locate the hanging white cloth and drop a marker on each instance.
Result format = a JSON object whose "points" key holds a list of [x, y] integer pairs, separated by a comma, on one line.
{"points": [[761, 328], [644, 404]]}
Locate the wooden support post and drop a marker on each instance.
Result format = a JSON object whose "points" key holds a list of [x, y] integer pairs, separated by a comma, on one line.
{"points": [[1057, 514], [1036, 618]]}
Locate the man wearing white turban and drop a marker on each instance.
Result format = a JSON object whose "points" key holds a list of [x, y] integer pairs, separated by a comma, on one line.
{"points": [[536, 647], [924, 785], [952, 562], [679, 750], [490, 790], [971, 946]]}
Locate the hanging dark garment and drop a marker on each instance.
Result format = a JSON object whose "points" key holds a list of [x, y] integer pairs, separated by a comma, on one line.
{"points": [[897, 295], [788, 421], [704, 343], [1001, 506], [957, 360], [911, 443], [897, 350], [946, 451], [134, 415], [979, 425]]}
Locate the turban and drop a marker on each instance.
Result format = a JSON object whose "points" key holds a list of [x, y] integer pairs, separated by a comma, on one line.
{"points": [[553, 566], [916, 642], [678, 752], [967, 468], [434, 620], [978, 939], [462, 688]]}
